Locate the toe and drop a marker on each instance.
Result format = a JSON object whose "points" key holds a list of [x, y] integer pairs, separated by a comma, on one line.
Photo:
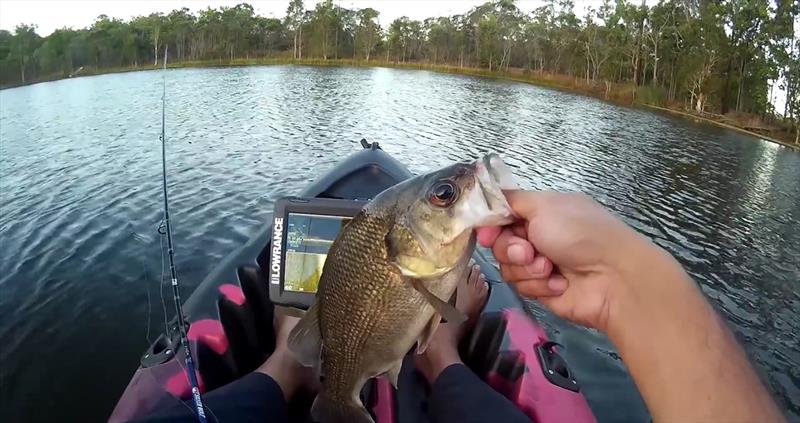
{"points": [[472, 278], [484, 288], [480, 283]]}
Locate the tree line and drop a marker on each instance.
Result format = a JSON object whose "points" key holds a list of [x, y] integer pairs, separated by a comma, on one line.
{"points": [[708, 55]]}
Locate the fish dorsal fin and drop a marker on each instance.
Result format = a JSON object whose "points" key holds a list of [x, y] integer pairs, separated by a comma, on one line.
{"points": [[305, 340], [446, 310], [427, 333]]}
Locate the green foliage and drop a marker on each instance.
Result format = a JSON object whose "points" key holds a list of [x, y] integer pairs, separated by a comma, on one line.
{"points": [[367, 32], [649, 94], [707, 55]]}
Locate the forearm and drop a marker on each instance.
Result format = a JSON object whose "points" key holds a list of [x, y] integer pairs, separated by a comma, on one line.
{"points": [[683, 358]]}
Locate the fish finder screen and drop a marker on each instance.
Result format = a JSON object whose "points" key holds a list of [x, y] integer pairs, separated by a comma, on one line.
{"points": [[308, 239]]}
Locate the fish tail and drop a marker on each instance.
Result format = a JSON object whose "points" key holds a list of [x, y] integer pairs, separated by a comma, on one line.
{"points": [[328, 410]]}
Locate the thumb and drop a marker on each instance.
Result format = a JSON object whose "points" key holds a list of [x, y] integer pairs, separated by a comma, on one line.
{"points": [[525, 204]]}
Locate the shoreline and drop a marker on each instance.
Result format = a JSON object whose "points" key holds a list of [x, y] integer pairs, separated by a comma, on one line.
{"points": [[621, 94], [723, 125]]}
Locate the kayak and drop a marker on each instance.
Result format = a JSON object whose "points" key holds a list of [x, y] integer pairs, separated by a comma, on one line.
{"points": [[229, 327]]}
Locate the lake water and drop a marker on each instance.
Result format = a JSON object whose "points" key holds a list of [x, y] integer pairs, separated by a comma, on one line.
{"points": [[80, 184]]}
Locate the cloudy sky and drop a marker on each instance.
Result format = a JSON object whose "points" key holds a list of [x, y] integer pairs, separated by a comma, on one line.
{"points": [[50, 15]]}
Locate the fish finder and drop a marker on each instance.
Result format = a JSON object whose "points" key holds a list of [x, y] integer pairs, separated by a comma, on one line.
{"points": [[303, 230]]}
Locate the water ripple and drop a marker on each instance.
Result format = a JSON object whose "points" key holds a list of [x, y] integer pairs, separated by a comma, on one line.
{"points": [[80, 184]]}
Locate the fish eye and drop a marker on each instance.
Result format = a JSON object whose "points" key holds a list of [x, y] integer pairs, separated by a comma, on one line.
{"points": [[443, 194]]}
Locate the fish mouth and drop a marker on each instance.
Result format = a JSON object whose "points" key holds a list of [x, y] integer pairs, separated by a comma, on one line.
{"points": [[482, 204], [493, 176]]}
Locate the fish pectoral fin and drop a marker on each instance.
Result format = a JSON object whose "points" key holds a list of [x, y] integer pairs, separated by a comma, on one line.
{"points": [[394, 373], [327, 409], [305, 340], [450, 313], [427, 333]]}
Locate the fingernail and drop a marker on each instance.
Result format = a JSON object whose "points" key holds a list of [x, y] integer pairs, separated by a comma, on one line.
{"points": [[517, 253], [557, 284]]}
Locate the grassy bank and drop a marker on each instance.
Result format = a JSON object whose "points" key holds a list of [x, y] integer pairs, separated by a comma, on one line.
{"points": [[625, 94]]}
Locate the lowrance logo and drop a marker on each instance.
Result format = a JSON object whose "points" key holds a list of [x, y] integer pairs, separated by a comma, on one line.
{"points": [[277, 242]]}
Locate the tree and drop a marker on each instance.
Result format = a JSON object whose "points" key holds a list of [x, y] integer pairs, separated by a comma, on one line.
{"points": [[699, 80], [594, 41], [368, 31], [269, 35], [324, 26], [294, 24], [746, 19], [23, 45], [398, 38], [53, 55], [662, 16], [153, 25], [181, 25], [439, 37], [238, 23]]}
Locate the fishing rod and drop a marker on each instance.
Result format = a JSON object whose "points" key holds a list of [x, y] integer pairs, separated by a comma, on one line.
{"points": [[176, 295]]}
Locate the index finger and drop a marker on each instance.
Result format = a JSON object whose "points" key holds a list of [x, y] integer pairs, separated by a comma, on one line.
{"points": [[488, 235]]}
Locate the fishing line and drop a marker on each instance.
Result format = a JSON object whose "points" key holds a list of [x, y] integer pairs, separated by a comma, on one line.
{"points": [[149, 305], [146, 277]]}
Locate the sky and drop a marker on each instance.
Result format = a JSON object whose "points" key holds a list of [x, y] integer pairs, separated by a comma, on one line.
{"points": [[49, 15]]}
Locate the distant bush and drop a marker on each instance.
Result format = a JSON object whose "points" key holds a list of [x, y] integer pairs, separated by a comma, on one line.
{"points": [[649, 94]]}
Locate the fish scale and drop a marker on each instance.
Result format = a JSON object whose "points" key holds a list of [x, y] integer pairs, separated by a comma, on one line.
{"points": [[361, 286]]}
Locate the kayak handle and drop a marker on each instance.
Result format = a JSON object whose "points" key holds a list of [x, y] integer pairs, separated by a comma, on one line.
{"points": [[370, 145], [554, 367]]}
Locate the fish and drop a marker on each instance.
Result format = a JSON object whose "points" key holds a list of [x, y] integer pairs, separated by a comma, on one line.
{"points": [[389, 277]]}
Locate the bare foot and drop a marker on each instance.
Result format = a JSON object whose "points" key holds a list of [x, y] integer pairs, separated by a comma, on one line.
{"points": [[471, 297], [443, 347], [281, 366]]}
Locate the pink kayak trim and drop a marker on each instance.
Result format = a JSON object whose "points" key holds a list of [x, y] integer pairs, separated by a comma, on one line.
{"points": [[536, 396], [232, 293], [210, 333], [385, 407]]}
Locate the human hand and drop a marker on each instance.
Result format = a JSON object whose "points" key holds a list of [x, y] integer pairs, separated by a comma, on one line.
{"points": [[587, 266], [571, 254]]}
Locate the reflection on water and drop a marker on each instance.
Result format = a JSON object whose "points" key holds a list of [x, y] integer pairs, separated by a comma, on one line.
{"points": [[80, 175]]}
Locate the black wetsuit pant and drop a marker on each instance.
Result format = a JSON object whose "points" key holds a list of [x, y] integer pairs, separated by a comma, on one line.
{"points": [[457, 396]]}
